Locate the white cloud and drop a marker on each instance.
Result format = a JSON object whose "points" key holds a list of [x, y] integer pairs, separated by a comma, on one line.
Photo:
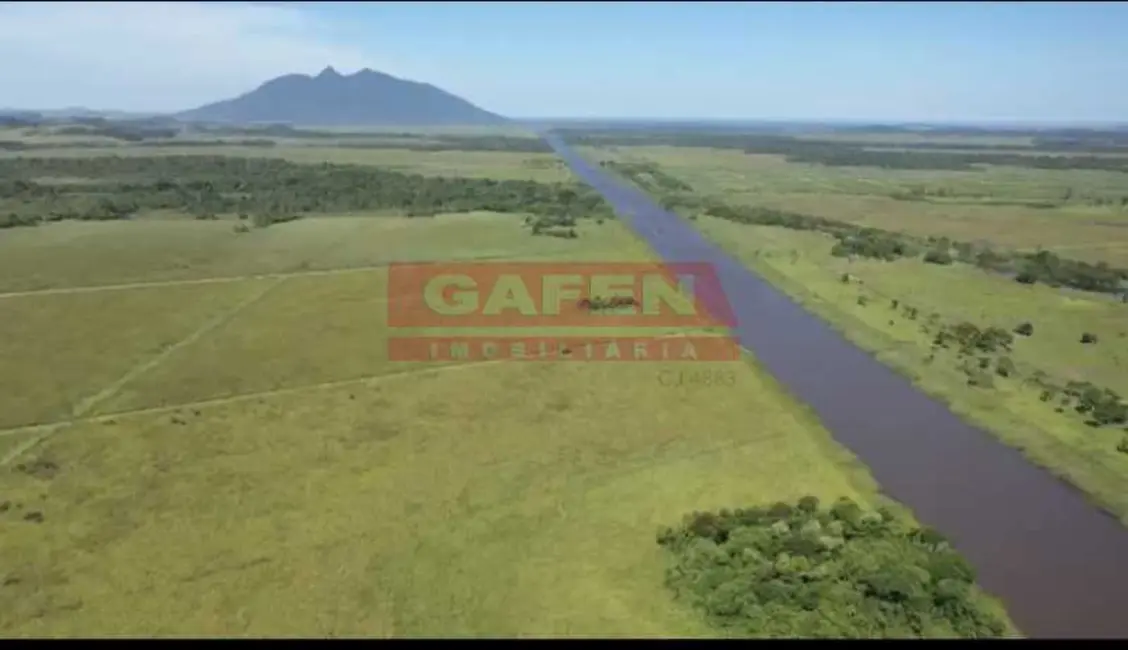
{"points": [[159, 56]]}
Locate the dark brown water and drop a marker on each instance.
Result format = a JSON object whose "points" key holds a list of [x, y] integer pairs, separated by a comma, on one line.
{"points": [[1059, 563]]}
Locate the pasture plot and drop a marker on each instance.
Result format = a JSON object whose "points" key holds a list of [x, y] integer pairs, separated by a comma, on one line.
{"points": [[80, 254], [800, 263], [492, 500], [332, 327], [56, 351], [311, 330], [500, 165], [492, 235]]}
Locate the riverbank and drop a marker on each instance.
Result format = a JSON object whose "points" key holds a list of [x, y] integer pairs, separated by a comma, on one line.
{"points": [[1011, 408], [979, 492]]}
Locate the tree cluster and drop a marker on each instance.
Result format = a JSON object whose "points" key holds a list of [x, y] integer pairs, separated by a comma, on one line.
{"points": [[117, 187], [647, 176], [803, 570]]}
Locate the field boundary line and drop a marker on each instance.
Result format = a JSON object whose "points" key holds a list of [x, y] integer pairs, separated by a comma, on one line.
{"points": [[243, 278], [89, 404], [50, 428], [197, 281]]}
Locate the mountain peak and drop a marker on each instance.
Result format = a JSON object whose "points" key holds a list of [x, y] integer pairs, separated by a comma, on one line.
{"points": [[367, 97]]}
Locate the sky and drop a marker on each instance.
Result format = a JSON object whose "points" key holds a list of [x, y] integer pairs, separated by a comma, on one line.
{"points": [[946, 62]]}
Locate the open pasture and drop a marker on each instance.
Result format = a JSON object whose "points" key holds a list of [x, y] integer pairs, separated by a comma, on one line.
{"points": [[90, 254], [499, 165], [86, 302], [477, 152], [238, 457], [1077, 213]]}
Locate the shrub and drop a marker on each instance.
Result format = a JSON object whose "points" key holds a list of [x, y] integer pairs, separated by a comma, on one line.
{"points": [[941, 257], [980, 379]]}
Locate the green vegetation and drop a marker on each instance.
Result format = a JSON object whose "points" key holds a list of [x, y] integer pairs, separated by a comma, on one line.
{"points": [[116, 188], [802, 571], [648, 176], [101, 134], [993, 307], [885, 155], [859, 241], [202, 412]]}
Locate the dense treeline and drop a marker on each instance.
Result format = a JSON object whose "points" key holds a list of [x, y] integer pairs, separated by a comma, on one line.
{"points": [[117, 187], [947, 161], [908, 155], [166, 133], [20, 145], [806, 571], [384, 140], [1042, 266], [477, 143]]}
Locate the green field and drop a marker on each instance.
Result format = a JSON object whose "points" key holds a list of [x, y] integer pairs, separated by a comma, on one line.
{"points": [[1000, 205], [474, 164], [1038, 392], [202, 435]]}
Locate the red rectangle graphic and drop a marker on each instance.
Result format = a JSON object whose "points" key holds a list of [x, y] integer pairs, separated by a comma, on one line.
{"points": [[556, 294]]}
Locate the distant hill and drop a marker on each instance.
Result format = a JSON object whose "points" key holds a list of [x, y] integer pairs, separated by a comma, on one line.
{"points": [[366, 98]]}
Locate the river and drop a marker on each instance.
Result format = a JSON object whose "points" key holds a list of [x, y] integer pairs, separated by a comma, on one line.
{"points": [[1058, 562]]}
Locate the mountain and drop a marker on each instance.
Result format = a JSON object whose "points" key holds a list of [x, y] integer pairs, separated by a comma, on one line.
{"points": [[366, 98]]}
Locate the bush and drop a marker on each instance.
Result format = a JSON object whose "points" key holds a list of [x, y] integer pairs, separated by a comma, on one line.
{"points": [[981, 380], [942, 257], [14, 220]]}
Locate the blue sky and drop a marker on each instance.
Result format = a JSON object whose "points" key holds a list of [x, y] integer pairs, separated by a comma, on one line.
{"points": [[882, 61]]}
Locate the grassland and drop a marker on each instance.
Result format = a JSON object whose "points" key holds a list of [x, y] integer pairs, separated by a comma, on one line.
{"points": [[896, 309], [201, 434], [277, 475], [1076, 213], [496, 165], [487, 152]]}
